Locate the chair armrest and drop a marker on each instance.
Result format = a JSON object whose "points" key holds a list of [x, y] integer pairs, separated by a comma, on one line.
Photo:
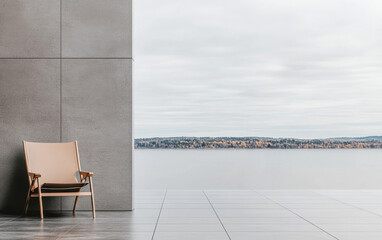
{"points": [[34, 175], [86, 174]]}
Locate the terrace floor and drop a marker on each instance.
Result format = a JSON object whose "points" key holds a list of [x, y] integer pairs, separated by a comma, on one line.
{"points": [[217, 214]]}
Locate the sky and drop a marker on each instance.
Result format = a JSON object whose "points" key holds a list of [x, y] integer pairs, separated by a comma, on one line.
{"points": [[303, 68]]}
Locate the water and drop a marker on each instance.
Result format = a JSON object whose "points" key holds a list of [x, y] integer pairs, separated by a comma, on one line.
{"points": [[260, 168]]}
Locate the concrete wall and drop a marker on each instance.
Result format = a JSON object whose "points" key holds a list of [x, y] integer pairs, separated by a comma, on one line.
{"points": [[66, 74]]}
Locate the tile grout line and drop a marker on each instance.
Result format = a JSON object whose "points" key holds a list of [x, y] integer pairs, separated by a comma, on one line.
{"points": [[351, 205], [62, 234], [297, 215], [160, 211], [216, 214]]}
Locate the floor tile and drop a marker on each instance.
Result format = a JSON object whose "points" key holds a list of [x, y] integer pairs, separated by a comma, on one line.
{"points": [[186, 197], [247, 205], [5, 220], [254, 213], [317, 206], [332, 213], [27, 235], [190, 236], [190, 228], [369, 227], [271, 227], [345, 220], [147, 205], [125, 214], [263, 220], [187, 205], [153, 192], [192, 220], [280, 236], [199, 213], [114, 227], [140, 220], [36, 226], [186, 201], [148, 201], [240, 201], [184, 192], [375, 211], [359, 235], [108, 235]]}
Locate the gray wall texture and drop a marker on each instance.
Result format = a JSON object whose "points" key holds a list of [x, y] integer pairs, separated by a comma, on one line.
{"points": [[66, 74]]}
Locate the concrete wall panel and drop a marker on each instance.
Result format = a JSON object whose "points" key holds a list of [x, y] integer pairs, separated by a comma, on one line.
{"points": [[96, 111], [29, 110], [96, 28], [29, 28]]}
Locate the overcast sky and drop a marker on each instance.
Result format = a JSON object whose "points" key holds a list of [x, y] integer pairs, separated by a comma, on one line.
{"points": [[306, 69]]}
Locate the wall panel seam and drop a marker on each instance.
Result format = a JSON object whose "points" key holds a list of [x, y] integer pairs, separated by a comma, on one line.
{"points": [[61, 82]]}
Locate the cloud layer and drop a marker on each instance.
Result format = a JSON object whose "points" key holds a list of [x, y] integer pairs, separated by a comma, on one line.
{"points": [[258, 68]]}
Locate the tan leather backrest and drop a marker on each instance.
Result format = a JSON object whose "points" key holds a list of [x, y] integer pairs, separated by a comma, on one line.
{"points": [[56, 162]]}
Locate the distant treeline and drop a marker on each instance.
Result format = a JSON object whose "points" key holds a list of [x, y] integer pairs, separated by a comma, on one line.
{"points": [[256, 143]]}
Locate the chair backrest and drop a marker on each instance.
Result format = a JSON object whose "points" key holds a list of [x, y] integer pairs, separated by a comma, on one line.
{"points": [[56, 162]]}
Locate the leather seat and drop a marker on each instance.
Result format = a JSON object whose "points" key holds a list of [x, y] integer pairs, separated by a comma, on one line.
{"points": [[62, 187]]}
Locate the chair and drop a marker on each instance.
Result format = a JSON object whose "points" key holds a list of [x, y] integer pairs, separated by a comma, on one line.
{"points": [[52, 171]]}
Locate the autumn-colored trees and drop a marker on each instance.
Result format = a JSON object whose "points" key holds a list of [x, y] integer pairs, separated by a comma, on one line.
{"points": [[252, 143]]}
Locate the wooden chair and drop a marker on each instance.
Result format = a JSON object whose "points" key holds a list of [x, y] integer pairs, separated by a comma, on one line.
{"points": [[52, 171]]}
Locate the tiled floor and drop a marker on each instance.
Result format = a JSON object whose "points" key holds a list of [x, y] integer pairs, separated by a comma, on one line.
{"points": [[230, 214]]}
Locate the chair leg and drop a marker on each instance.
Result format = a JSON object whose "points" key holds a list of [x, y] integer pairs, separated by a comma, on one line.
{"points": [[75, 205], [27, 203], [28, 197], [40, 199], [92, 196]]}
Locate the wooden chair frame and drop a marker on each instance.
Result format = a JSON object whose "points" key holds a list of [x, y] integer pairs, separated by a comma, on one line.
{"points": [[35, 177]]}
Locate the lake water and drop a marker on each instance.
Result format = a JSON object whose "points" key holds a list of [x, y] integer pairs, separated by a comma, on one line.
{"points": [[260, 168]]}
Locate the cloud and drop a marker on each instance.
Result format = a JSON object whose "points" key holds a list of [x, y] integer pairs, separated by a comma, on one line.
{"points": [[258, 68]]}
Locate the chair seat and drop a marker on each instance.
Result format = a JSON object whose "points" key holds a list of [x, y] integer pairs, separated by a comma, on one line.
{"points": [[62, 187]]}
